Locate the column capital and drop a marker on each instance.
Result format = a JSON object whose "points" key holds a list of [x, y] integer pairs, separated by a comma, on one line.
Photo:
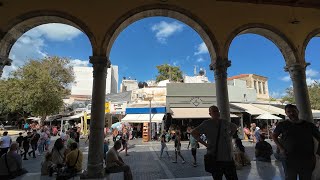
{"points": [[100, 61], [297, 70], [100, 65], [220, 67]]}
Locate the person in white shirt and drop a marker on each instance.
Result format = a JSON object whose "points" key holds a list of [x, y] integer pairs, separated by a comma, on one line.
{"points": [[114, 162], [5, 143]]}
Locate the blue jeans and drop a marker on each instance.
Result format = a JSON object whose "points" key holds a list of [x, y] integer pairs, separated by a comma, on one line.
{"points": [[282, 158], [41, 147]]}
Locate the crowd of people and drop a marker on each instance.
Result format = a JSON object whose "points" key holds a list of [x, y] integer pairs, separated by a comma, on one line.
{"points": [[293, 137]]}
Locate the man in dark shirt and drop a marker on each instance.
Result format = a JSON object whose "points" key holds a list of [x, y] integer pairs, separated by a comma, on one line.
{"points": [[19, 141], [263, 150], [296, 144], [26, 144], [34, 143]]}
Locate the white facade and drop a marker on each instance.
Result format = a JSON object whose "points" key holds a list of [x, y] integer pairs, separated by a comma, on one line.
{"points": [[84, 81], [196, 79], [128, 85]]}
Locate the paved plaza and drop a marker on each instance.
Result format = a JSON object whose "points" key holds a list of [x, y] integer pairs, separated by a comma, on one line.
{"points": [[146, 165]]}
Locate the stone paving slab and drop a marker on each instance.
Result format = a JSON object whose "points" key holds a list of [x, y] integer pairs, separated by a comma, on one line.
{"points": [[146, 165]]}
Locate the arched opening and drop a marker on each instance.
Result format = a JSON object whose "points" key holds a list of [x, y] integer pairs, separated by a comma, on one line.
{"points": [[48, 41], [166, 11], [279, 39], [25, 22], [312, 56], [152, 42], [257, 74]]}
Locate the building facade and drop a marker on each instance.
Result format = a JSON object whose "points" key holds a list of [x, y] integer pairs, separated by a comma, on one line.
{"points": [[256, 82], [84, 81]]}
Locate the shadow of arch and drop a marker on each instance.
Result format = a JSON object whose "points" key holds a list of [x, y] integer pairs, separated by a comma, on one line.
{"points": [[287, 49], [314, 33], [161, 10], [21, 24]]}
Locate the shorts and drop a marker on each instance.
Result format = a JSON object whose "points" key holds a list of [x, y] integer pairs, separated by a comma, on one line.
{"points": [[194, 151], [178, 148]]}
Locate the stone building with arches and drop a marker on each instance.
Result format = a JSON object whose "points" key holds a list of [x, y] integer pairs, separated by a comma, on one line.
{"points": [[218, 22]]}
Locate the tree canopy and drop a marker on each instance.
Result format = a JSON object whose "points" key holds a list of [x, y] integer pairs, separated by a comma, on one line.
{"points": [[38, 87], [314, 92], [166, 71]]}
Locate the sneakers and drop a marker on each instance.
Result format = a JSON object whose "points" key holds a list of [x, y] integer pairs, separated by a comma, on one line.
{"points": [[194, 164], [25, 159], [183, 162], [174, 161]]}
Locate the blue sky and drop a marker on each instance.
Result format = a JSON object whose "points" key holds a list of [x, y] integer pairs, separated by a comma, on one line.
{"points": [[153, 41]]}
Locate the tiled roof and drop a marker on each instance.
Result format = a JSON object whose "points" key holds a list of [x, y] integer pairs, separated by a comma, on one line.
{"points": [[238, 76]]}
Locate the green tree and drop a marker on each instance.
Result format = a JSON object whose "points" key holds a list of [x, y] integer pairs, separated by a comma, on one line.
{"points": [[166, 71], [314, 92], [314, 95], [38, 87], [289, 97]]}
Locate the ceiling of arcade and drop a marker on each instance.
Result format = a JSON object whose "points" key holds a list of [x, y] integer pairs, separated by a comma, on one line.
{"points": [[297, 3], [217, 22]]}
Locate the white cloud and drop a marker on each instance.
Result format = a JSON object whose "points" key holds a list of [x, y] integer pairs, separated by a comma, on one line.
{"points": [[56, 32], [311, 81], [164, 30], [311, 73], [32, 43], [201, 49], [175, 63], [286, 78], [79, 63], [200, 59]]}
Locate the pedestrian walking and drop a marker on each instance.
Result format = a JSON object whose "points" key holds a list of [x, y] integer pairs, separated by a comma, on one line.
{"points": [[296, 144], [26, 144], [218, 160], [163, 144], [177, 146], [34, 143], [194, 146]]}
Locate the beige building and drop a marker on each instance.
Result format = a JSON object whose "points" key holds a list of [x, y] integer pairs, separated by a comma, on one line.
{"points": [[257, 82]]}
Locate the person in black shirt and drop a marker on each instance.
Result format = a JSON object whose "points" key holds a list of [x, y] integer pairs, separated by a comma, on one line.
{"points": [[263, 150], [34, 143], [19, 140], [26, 144], [296, 144]]}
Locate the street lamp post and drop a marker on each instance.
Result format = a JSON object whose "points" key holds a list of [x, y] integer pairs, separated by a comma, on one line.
{"points": [[150, 123]]}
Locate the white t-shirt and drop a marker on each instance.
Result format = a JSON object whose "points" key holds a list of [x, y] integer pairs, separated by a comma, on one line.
{"points": [[5, 141], [112, 156]]}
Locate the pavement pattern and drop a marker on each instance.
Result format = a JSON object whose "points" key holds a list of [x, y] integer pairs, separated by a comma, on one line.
{"points": [[146, 165]]}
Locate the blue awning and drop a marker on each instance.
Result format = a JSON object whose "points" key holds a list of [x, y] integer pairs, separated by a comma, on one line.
{"points": [[154, 110]]}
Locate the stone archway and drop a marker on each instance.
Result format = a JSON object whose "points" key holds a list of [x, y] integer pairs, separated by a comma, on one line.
{"points": [[287, 48], [161, 10], [21, 24], [314, 33]]}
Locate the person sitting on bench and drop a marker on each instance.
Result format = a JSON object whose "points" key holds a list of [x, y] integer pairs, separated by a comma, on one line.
{"points": [[114, 162], [11, 164]]}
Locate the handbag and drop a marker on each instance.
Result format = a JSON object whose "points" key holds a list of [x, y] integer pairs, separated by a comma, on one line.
{"points": [[210, 161]]}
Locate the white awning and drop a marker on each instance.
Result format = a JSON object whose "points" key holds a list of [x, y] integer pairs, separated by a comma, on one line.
{"points": [[250, 108], [271, 109], [192, 113], [141, 118]]}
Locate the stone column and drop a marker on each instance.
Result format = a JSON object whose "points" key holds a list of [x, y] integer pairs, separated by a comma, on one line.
{"points": [[4, 61], [300, 90], [220, 74], [95, 156]]}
